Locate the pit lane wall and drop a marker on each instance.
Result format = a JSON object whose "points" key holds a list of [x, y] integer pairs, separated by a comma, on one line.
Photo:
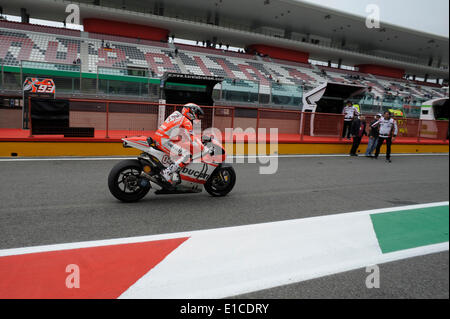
{"points": [[297, 132], [74, 147]]}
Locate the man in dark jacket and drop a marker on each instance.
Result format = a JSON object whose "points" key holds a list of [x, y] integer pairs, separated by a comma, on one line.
{"points": [[358, 130]]}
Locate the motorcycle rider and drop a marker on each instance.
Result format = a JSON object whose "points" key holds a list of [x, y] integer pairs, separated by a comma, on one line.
{"points": [[179, 124]]}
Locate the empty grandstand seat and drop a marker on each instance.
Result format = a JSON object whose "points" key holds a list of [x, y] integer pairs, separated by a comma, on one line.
{"points": [[60, 47]]}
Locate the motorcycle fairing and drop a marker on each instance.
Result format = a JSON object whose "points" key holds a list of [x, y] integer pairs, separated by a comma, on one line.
{"points": [[193, 176], [139, 142]]}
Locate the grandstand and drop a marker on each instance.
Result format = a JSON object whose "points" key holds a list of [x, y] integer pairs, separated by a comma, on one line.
{"points": [[51, 45], [110, 60]]}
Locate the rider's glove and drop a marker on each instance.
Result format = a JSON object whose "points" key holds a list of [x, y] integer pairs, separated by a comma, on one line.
{"points": [[208, 150], [206, 139]]}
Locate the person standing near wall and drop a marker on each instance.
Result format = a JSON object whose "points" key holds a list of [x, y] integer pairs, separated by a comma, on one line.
{"points": [[349, 112], [373, 136], [388, 132], [358, 130]]}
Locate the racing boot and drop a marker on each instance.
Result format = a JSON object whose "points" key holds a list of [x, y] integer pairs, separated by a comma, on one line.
{"points": [[168, 173], [176, 179]]}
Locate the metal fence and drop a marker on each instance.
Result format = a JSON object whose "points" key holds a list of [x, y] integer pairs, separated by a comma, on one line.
{"points": [[116, 119], [139, 84]]}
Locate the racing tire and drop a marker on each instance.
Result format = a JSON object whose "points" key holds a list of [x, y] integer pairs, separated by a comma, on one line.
{"points": [[221, 181], [126, 175]]}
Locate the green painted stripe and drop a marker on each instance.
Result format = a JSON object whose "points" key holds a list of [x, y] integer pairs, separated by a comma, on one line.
{"points": [[123, 78], [71, 74], [89, 75], [200, 86], [14, 69], [411, 228]]}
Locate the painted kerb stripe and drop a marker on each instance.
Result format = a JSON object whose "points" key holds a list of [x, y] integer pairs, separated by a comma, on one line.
{"points": [[411, 228]]}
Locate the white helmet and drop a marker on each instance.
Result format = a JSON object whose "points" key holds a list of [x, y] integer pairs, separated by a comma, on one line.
{"points": [[192, 111]]}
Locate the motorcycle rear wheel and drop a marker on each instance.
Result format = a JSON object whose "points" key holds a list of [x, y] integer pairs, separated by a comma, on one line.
{"points": [[124, 181]]}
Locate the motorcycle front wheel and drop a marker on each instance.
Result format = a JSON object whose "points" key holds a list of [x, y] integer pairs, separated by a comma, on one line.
{"points": [[221, 182], [124, 181]]}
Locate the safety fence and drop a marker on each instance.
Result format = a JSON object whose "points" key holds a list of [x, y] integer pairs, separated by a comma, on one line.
{"points": [[116, 119], [141, 84]]}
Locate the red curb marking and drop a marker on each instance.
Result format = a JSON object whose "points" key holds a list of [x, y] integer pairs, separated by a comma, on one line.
{"points": [[105, 271]]}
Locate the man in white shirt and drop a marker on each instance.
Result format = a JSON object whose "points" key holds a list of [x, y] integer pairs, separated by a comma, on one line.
{"points": [[349, 112], [388, 131]]}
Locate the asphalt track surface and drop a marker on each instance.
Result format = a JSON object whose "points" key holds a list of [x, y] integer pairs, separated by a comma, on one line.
{"points": [[423, 277], [51, 202]]}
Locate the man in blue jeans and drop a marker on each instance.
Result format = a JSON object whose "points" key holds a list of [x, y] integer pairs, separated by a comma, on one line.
{"points": [[373, 137]]}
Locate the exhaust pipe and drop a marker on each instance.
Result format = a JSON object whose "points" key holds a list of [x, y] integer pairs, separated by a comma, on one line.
{"points": [[150, 178]]}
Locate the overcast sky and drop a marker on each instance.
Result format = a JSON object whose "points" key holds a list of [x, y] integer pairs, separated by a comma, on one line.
{"points": [[426, 15]]}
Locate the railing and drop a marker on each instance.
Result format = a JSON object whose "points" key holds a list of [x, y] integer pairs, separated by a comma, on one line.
{"points": [[117, 119], [137, 83], [69, 80], [284, 94]]}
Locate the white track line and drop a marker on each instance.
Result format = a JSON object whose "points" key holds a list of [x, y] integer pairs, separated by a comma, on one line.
{"points": [[29, 159], [232, 261], [138, 239]]}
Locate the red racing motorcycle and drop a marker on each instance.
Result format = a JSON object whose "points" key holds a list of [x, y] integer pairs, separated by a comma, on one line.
{"points": [[131, 180]]}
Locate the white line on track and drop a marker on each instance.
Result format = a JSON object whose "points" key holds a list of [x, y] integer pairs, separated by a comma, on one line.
{"points": [[29, 159], [231, 261], [127, 240]]}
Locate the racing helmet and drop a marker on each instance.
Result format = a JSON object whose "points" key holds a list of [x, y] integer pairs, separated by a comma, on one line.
{"points": [[192, 111]]}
